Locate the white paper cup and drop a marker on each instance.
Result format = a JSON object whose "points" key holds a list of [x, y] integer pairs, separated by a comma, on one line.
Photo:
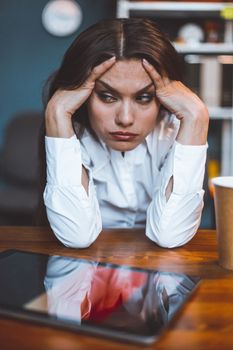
{"points": [[223, 204]]}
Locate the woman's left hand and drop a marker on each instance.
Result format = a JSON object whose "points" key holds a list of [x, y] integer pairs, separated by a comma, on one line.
{"points": [[186, 105]]}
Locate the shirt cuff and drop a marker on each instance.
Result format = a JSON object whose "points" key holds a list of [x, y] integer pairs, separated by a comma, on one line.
{"points": [[64, 163], [186, 163]]}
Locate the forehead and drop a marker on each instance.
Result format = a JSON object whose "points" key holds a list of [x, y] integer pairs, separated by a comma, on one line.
{"points": [[126, 73]]}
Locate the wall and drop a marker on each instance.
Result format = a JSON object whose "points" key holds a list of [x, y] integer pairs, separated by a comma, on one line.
{"points": [[29, 54]]}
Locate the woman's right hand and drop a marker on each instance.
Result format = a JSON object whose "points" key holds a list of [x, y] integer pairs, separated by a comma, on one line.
{"points": [[64, 103]]}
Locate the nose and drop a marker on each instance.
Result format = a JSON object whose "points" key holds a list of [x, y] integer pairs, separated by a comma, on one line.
{"points": [[125, 114]]}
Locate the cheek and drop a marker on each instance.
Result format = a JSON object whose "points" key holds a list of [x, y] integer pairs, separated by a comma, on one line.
{"points": [[151, 117], [149, 124], [100, 117]]}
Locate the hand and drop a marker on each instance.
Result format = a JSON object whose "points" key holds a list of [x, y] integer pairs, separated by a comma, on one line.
{"points": [[186, 106], [64, 103]]}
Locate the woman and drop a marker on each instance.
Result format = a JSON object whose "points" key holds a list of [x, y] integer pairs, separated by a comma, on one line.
{"points": [[125, 139]]}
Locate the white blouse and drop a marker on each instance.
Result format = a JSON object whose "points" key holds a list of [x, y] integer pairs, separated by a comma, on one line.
{"points": [[125, 191]]}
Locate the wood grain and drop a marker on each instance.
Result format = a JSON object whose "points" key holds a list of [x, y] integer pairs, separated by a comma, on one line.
{"points": [[206, 321]]}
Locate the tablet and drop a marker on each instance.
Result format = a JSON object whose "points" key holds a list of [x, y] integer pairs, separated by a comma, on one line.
{"points": [[103, 299]]}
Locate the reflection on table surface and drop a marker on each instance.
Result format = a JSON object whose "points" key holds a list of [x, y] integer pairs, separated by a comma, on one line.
{"points": [[83, 290]]}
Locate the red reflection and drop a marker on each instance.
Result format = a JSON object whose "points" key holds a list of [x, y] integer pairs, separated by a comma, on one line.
{"points": [[111, 288], [89, 291]]}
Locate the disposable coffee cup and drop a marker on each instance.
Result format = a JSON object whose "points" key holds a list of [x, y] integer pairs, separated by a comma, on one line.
{"points": [[223, 204]]}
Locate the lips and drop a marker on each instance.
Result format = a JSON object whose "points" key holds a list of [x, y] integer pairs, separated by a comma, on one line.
{"points": [[123, 135]]}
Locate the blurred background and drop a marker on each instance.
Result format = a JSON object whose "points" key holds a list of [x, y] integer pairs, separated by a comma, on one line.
{"points": [[34, 37]]}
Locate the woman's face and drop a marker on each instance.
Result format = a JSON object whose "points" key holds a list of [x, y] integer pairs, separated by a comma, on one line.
{"points": [[123, 107]]}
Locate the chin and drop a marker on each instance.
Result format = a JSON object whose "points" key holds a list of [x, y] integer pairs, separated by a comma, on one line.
{"points": [[122, 146]]}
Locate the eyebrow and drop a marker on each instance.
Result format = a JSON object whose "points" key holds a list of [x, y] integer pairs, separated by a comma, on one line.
{"points": [[110, 88]]}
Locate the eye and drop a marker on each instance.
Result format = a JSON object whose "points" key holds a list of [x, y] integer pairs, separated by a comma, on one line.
{"points": [[145, 98], [106, 97]]}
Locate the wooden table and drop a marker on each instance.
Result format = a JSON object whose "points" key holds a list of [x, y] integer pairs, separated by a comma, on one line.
{"points": [[206, 321]]}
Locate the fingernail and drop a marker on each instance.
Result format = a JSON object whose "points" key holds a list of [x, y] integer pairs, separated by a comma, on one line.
{"points": [[145, 61], [112, 58]]}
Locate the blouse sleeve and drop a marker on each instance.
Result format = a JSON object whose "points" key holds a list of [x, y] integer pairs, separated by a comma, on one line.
{"points": [[174, 222], [74, 215]]}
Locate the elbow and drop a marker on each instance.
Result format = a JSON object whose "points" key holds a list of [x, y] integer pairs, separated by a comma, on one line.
{"points": [[175, 239], [78, 240], [76, 236], [162, 241], [170, 242], [172, 231]]}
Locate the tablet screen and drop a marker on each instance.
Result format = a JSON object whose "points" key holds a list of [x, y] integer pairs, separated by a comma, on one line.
{"points": [[118, 301]]}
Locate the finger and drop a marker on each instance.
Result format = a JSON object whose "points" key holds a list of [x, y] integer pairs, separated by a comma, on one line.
{"points": [[157, 79], [100, 69]]}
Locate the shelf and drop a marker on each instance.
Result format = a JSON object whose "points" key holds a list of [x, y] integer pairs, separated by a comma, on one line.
{"points": [[206, 48], [223, 113], [124, 7]]}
